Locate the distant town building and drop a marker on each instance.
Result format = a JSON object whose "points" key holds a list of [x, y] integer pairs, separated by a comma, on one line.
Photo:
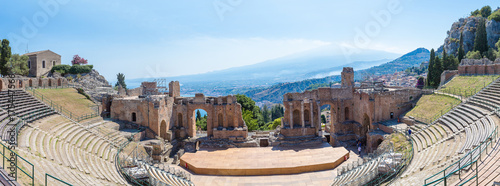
{"points": [[40, 63]]}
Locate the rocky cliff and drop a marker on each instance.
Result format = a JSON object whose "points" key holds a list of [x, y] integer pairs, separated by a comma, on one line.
{"points": [[468, 26]]}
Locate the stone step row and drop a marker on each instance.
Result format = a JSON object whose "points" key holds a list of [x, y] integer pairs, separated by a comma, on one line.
{"points": [[65, 153]]}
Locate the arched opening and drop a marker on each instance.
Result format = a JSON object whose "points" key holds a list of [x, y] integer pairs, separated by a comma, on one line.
{"points": [[296, 119], [43, 64], [30, 83], [179, 120], [134, 117], [346, 110], [220, 120], [392, 115], [29, 64], [376, 144], [20, 83], [326, 118], [40, 82], [163, 129], [201, 120], [50, 82], [59, 82]]}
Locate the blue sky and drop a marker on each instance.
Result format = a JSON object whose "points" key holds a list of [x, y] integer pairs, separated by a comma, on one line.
{"points": [[171, 38]]}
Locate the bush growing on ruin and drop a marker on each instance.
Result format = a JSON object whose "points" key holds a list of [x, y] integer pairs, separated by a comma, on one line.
{"points": [[473, 55], [79, 69], [62, 69]]}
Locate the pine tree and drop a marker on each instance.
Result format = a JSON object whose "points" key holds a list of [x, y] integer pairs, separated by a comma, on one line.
{"points": [[121, 80], [461, 52], [481, 41], [5, 54]]}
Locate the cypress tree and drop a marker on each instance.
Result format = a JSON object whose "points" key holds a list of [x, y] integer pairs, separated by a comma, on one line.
{"points": [[430, 68], [198, 115], [445, 63], [461, 52], [481, 41], [438, 69]]}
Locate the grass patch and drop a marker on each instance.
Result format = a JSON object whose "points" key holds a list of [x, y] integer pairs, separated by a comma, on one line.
{"points": [[431, 107], [467, 86], [69, 99]]}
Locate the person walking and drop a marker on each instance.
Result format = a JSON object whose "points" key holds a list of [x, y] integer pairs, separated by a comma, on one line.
{"points": [[359, 148], [409, 132]]}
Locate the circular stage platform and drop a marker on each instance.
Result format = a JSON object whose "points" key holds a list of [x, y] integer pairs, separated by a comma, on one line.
{"points": [[264, 160]]}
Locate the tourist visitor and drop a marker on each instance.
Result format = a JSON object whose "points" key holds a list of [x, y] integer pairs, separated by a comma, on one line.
{"points": [[409, 132], [359, 148]]}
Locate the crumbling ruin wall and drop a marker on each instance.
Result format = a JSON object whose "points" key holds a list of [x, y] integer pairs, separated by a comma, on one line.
{"points": [[479, 66]]}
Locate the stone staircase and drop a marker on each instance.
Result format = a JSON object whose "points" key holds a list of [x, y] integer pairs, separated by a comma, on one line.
{"points": [[165, 177], [353, 176], [26, 107], [71, 153]]}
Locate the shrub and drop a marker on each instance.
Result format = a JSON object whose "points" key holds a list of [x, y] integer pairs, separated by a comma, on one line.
{"points": [[78, 69], [473, 55], [495, 16], [62, 69], [69, 78], [82, 92]]}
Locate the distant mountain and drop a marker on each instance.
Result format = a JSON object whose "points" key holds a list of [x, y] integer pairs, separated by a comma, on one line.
{"points": [[320, 62], [275, 93]]}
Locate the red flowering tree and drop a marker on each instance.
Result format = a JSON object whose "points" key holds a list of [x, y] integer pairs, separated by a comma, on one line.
{"points": [[77, 60]]}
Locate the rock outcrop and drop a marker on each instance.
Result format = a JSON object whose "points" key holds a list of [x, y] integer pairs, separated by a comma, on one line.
{"points": [[468, 26], [93, 84]]}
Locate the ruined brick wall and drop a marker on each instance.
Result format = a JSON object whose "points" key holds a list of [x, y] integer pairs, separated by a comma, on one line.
{"points": [[177, 115], [134, 92], [447, 75], [479, 66], [174, 89], [223, 114]]}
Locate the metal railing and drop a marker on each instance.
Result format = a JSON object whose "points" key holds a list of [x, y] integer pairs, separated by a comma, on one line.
{"points": [[407, 157], [58, 108], [53, 177], [13, 155], [470, 158]]}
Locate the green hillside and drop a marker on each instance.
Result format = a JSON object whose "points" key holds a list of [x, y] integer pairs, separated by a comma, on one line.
{"points": [[275, 93]]}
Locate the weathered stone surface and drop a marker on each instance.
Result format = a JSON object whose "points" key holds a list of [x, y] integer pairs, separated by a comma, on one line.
{"points": [[163, 113], [353, 110], [493, 32]]}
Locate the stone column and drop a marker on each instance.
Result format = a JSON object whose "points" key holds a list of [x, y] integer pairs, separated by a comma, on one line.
{"points": [[290, 122], [319, 113], [235, 119], [302, 114], [224, 122], [311, 116]]}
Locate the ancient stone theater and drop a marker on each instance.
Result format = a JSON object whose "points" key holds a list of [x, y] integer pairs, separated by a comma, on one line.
{"points": [[354, 111]]}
